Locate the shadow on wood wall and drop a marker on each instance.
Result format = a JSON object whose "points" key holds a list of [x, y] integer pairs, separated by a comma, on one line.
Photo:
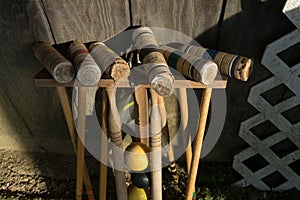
{"points": [[247, 32]]}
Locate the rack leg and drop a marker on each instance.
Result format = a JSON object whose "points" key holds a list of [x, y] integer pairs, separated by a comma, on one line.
{"points": [[183, 102], [204, 107], [80, 141], [64, 101], [103, 150]]}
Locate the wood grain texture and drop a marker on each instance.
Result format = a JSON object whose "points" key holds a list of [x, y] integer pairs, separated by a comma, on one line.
{"points": [[86, 20], [26, 112], [191, 17], [30, 113]]}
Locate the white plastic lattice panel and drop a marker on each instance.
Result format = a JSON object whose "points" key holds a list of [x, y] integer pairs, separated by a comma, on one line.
{"points": [[274, 167]]}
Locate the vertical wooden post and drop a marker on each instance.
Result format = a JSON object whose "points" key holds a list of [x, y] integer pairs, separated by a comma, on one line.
{"points": [[104, 148], [80, 141], [204, 107], [116, 137], [184, 113], [141, 99], [64, 101], [184, 123], [155, 143]]}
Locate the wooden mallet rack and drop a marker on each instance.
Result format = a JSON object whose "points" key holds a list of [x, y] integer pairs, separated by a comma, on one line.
{"points": [[44, 79]]}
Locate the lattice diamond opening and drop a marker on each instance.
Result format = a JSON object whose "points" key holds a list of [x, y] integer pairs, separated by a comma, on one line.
{"points": [[255, 163], [274, 180], [277, 94], [293, 114], [291, 55], [295, 166], [264, 130], [283, 148]]}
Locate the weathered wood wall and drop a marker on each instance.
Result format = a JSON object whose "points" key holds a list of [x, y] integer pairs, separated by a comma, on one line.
{"points": [[23, 112], [86, 20], [191, 17], [32, 116]]}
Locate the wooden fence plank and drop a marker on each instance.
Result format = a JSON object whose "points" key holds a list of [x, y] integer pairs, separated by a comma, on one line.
{"points": [[30, 113], [191, 17], [86, 20], [22, 22]]}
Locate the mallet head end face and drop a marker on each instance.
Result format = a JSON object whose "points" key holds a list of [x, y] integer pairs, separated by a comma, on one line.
{"points": [[163, 84], [209, 72], [64, 72]]}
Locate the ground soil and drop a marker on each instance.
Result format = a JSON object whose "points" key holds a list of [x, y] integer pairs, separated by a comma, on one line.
{"points": [[51, 176]]}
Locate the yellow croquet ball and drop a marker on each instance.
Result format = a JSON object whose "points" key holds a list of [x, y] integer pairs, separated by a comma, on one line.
{"points": [[135, 193], [136, 158]]}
